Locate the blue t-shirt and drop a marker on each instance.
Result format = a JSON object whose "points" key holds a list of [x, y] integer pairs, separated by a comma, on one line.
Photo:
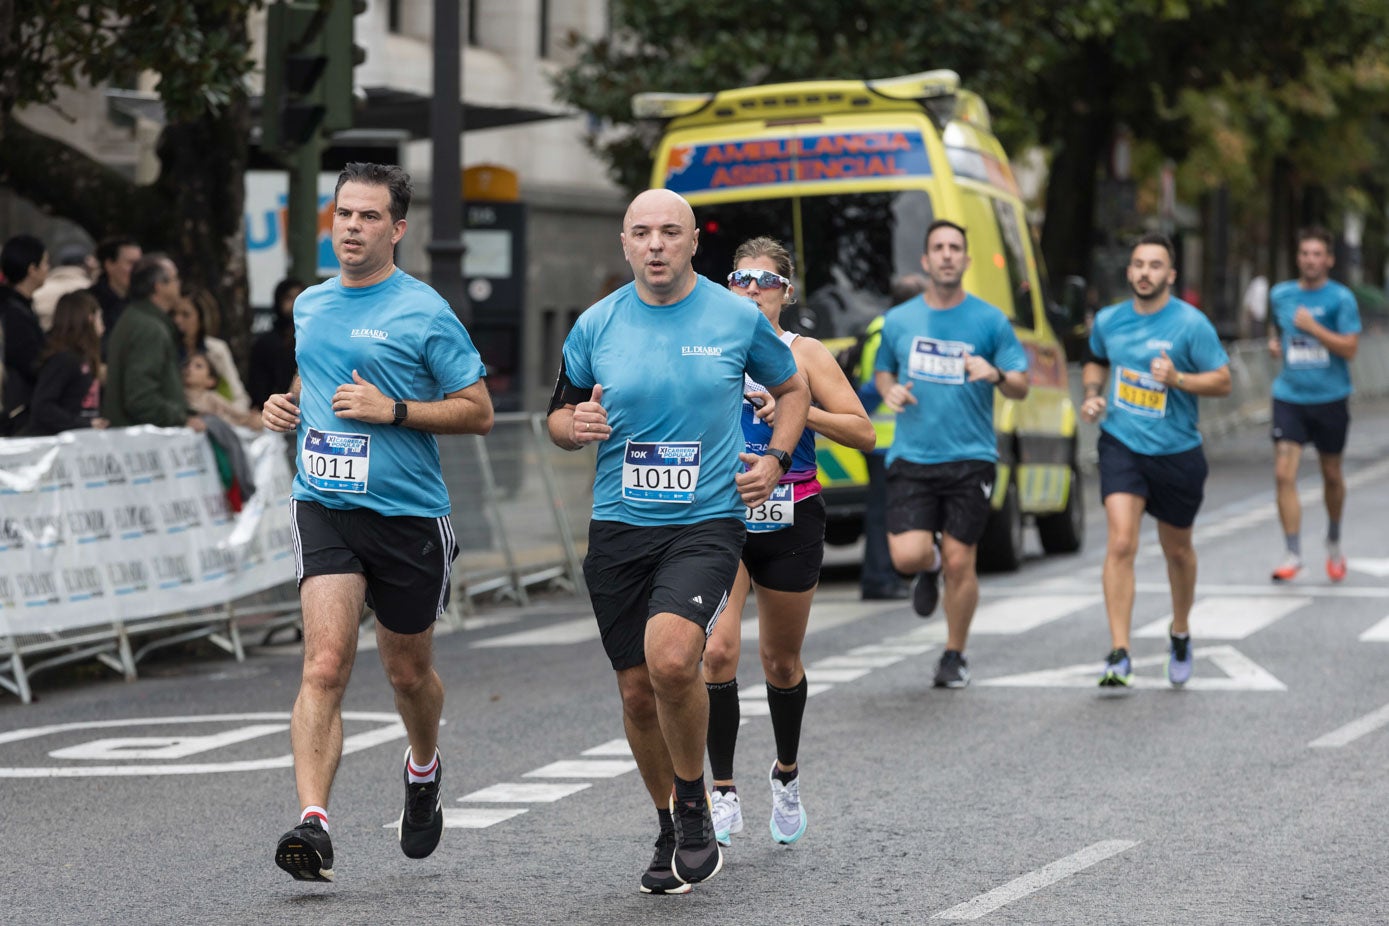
{"points": [[672, 378], [1143, 414], [1311, 374], [402, 337], [953, 418]]}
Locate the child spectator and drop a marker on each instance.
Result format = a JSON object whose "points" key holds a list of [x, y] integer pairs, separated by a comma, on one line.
{"points": [[200, 387]]}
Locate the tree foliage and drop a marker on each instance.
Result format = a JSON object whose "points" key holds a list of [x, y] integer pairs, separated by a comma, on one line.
{"points": [[200, 54], [1223, 87]]}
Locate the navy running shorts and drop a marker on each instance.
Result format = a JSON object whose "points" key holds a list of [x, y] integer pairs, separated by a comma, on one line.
{"points": [[635, 572], [406, 560], [949, 497], [789, 560], [1172, 483], [1324, 425]]}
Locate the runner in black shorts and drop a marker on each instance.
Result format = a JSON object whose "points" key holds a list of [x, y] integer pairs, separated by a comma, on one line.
{"points": [[653, 374], [782, 555], [1316, 333], [370, 510], [943, 355]]}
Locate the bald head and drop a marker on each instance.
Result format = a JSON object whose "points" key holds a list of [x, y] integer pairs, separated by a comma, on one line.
{"points": [[659, 239]]}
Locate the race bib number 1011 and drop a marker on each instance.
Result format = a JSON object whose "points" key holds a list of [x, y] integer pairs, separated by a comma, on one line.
{"points": [[667, 472], [334, 461]]}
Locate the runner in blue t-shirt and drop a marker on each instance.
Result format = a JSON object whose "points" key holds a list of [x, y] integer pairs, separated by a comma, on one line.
{"points": [[384, 365], [654, 375], [781, 557], [1159, 353], [1317, 333], [941, 358]]}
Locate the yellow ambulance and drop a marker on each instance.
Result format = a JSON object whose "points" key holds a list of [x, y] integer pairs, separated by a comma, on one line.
{"points": [[849, 173]]}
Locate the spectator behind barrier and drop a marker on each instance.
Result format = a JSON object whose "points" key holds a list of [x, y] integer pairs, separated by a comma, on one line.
{"points": [[143, 382], [191, 319], [70, 275], [68, 393], [117, 257], [200, 382], [24, 263], [272, 366]]}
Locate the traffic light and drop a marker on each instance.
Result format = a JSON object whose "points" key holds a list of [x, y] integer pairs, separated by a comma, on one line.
{"points": [[309, 58]]}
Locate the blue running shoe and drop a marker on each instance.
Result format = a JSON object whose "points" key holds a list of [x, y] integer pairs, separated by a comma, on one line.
{"points": [[1118, 670], [1179, 660]]}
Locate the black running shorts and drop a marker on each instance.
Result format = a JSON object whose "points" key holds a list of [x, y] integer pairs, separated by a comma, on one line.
{"points": [[1323, 425], [636, 572], [405, 560], [949, 497], [789, 560], [1173, 483]]}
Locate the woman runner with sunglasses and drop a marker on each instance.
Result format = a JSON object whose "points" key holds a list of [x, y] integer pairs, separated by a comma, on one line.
{"points": [[782, 555]]}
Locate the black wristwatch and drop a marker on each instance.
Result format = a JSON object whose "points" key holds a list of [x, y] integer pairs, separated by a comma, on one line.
{"points": [[782, 457], [400, 413]]}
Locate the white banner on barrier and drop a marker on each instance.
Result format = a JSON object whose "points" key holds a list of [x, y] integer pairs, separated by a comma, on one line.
{"points": [[101, 526]]}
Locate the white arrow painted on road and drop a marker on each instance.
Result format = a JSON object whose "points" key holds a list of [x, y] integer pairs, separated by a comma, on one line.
{"points": [[1240, 674], [1229, 617]]}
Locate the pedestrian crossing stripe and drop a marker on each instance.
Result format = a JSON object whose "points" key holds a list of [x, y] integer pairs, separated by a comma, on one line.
{"points": [[1239, 673]]}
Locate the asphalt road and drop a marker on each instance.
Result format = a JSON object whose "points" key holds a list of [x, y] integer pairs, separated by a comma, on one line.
{"points": [[1255, 796]]}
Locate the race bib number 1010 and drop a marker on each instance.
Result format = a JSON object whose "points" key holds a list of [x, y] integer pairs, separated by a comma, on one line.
{"points": [[666, 472]]}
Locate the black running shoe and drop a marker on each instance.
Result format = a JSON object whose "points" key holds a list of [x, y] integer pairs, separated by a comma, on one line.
{"points": [[952, 671], [697, 856], [659, 878], [926, 592], [422, 820], [306, 852]]}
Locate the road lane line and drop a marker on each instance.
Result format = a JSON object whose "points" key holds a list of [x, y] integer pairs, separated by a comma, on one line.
{"points": [[1226, 617], [527, 792], [1353, 730], [1034, 881], [1010, 616], [1379, 633], [583, 768]]}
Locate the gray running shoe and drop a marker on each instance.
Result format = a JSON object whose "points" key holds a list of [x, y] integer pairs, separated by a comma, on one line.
{"points": [[728, 816], [697, 856], [788, 814], [952, 671]]}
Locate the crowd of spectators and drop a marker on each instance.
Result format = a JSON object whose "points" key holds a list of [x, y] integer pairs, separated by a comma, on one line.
{"points": [[114, 339]]}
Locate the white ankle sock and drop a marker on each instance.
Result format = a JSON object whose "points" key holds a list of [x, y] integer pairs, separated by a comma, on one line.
{"points": [[315, 811], [421, 774]]}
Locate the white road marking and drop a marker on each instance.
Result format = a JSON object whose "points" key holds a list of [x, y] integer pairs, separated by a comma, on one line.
{"points": [[1034, 881], [858, 662], [1229, 618], [1010, 616], [1241, 674], [874, 649], [583, 768], [821, 674], [526, 792], [163, 747], [475, 818], [618, 747], [1294, 590], [1379, 633], [563, 633], [1379, 568], [1353, 730]]}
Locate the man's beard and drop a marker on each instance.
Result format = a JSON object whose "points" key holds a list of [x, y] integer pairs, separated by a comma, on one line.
{"points": [[1158, 292]]}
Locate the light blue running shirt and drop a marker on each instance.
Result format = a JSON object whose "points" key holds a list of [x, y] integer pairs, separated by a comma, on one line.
{"points": [[402, 337], [1311, 374], [953, 419], [1143, 414], [672, 380]]}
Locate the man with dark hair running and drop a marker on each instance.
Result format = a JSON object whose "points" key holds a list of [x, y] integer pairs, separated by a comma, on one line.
{"points": [[1164, 354], [1316, 334], [384, 365], [653, 373]]}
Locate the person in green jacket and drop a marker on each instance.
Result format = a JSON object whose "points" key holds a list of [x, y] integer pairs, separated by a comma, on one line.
{"points": [[143, 382]]}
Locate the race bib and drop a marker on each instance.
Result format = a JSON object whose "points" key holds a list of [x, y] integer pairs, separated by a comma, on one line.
{"points": [[777, 512], [1139, 393], [1306, 351], [335, 461], [667, 472], [938, 361]]}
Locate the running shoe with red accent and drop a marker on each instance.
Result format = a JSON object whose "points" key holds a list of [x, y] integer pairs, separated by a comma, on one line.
{"points": [[1336, 568], [1288, 569]]}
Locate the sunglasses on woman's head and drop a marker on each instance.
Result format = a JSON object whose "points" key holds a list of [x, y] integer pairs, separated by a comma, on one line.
{"points": [[765, 279]]}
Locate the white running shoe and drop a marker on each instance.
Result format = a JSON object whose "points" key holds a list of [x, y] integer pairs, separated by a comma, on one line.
{"points": [[788, 816], [728, 816]]}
